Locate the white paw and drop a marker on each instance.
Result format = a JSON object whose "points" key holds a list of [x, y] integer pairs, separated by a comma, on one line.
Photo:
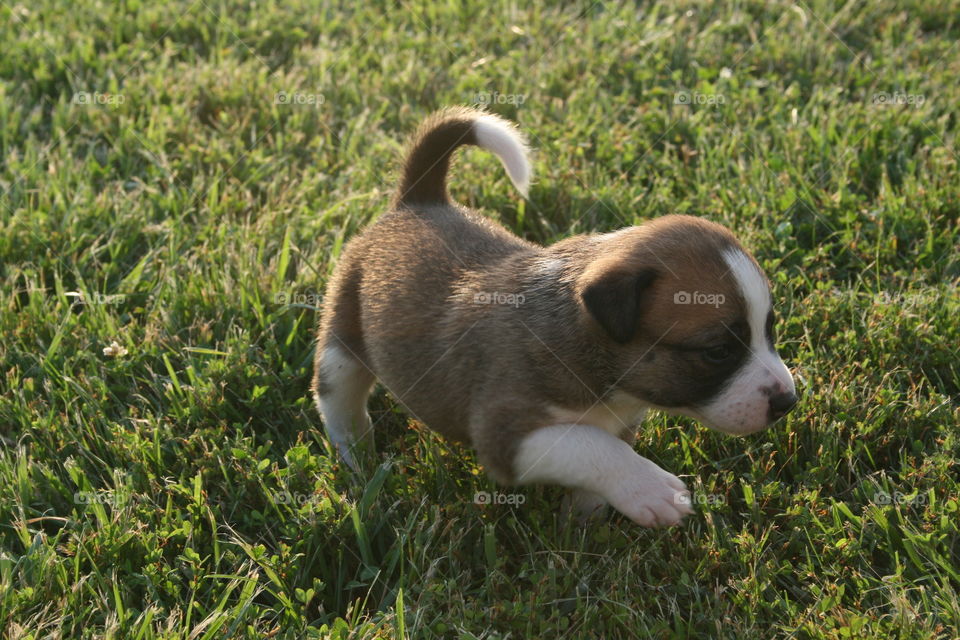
{"points": [[651, 497]]}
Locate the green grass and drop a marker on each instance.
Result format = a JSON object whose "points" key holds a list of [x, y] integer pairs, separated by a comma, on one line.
{"points": [[184, 490]]}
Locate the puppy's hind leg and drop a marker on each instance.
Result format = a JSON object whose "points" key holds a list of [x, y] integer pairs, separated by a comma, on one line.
{"points": [[341, 385]]}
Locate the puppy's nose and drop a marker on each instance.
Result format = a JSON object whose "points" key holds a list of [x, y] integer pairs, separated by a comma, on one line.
{"points": [[781, 404]]}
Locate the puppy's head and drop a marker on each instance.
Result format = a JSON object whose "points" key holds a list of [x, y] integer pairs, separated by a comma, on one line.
{"points": [[684, 318]]}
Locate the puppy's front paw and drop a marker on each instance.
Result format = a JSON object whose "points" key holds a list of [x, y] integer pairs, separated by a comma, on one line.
{"points": [[652, 497]]}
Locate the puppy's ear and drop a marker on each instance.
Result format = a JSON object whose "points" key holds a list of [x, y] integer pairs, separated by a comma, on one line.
{"points": [[614, 299]]}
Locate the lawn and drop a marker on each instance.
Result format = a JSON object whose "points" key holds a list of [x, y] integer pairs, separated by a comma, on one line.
{"points": [[177, 180]]}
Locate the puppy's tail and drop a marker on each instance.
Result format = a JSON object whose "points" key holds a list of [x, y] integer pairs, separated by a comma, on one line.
{"points": [[428, 160]]}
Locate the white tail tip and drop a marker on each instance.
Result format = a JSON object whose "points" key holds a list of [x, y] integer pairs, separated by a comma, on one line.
{"points": [[503, 139]]}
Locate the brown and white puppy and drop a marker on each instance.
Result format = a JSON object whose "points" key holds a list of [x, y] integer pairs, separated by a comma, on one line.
{"points": [[545, 359]]}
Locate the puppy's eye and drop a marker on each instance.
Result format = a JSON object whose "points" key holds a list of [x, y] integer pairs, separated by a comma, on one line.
{"points": [[718, 355]]}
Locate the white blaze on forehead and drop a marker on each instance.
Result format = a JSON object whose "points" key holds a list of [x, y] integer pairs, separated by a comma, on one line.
{"points": [[755, 292]]}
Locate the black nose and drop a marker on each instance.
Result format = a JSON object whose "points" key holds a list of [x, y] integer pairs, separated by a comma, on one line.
{"points": [[781, 404]]}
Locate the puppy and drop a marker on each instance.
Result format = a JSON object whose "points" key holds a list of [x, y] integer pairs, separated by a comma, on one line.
{"points": [[545, 359]]}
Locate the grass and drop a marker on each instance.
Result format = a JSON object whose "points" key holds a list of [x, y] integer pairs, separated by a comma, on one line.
{"points": [[154, 191]]}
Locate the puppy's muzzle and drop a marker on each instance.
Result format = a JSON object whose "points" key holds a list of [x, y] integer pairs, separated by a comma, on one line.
{"points": [[781, 404]]}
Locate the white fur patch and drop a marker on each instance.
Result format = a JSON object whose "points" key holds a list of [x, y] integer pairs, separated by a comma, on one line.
{"points": [[503, 139], [548, 267], [343, 408], [756, 293]]}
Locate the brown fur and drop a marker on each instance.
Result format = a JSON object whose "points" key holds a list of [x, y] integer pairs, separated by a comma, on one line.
{"points": [[428, 159]]}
